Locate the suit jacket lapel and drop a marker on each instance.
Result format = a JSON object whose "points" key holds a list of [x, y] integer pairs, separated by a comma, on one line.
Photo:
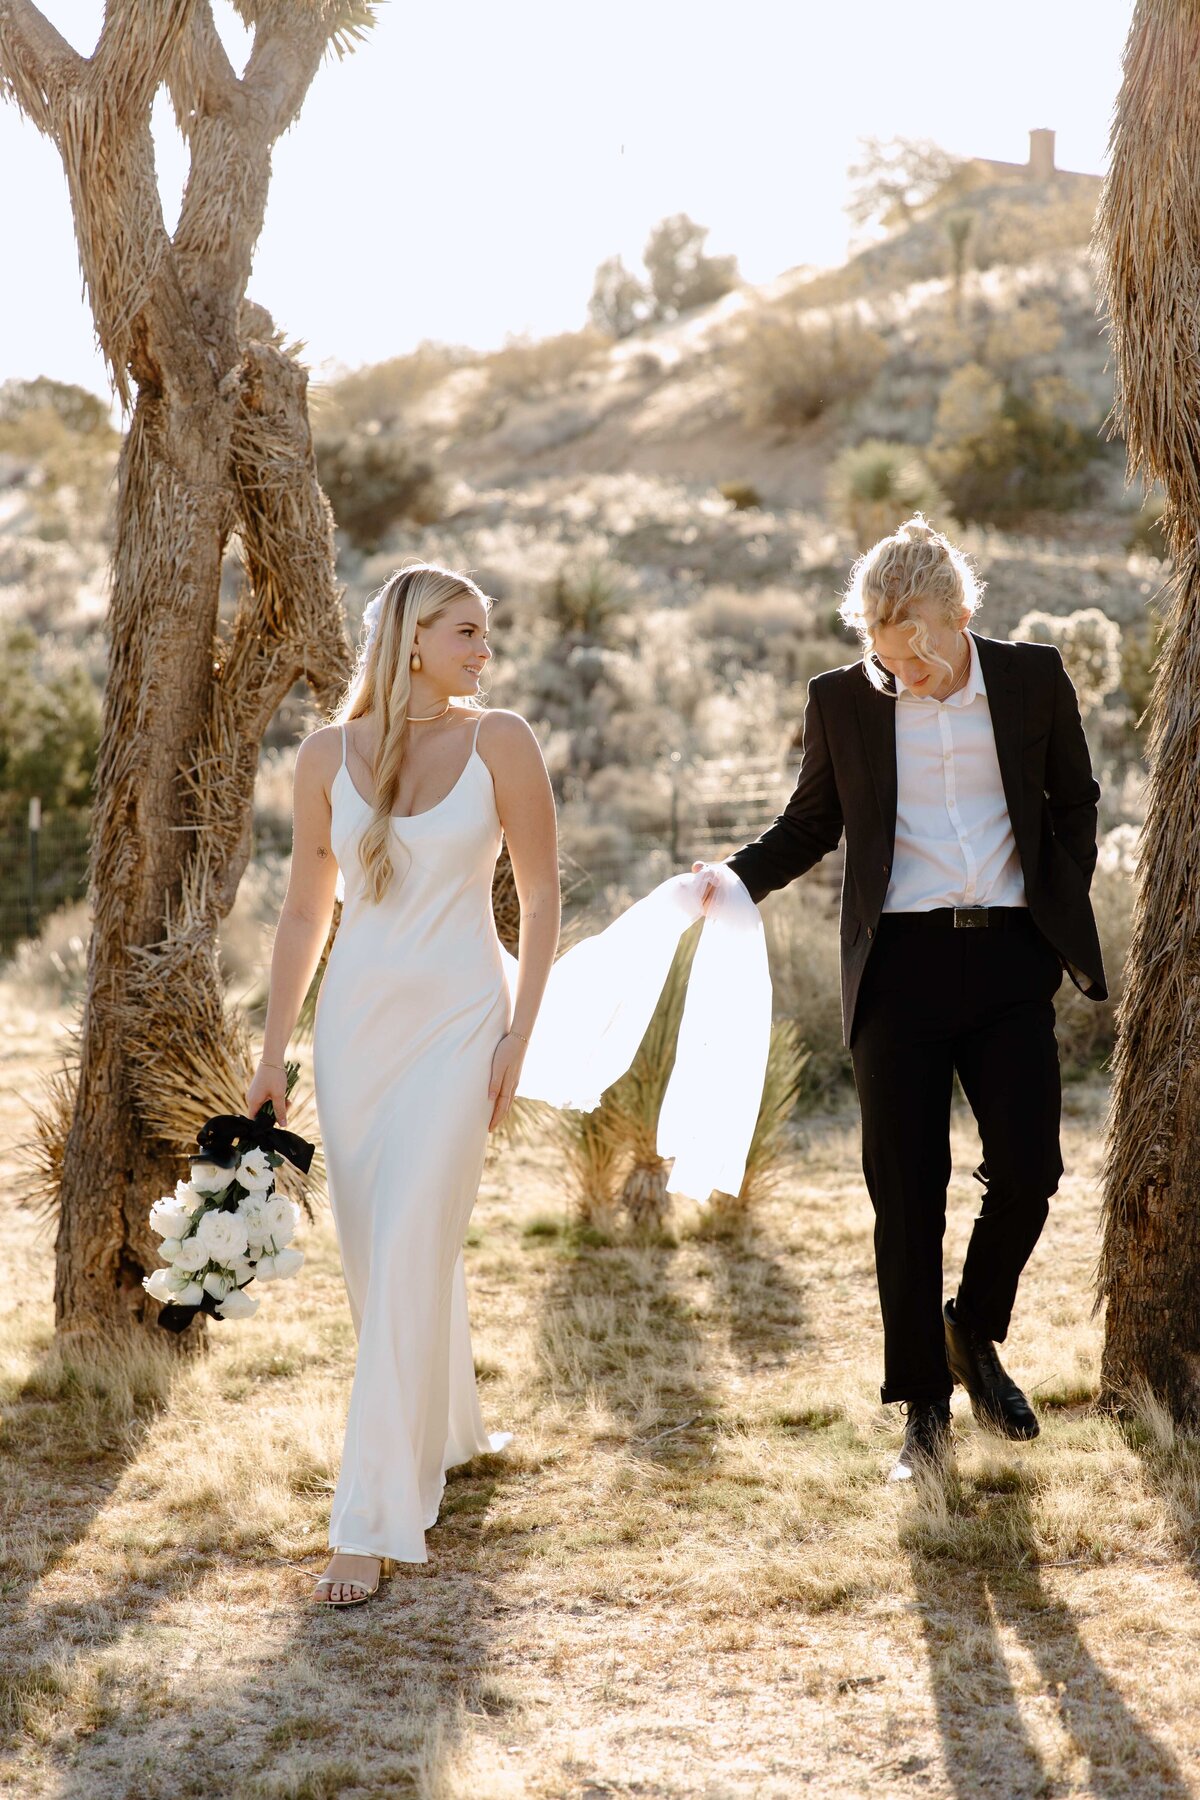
{"points": [[877, 721], [1006, 704]]}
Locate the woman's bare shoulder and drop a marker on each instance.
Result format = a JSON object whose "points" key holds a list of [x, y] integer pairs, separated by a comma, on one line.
{"points": [[506, 737], [319, 755]]}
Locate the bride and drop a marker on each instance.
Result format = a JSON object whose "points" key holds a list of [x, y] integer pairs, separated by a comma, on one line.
{"points": [[420, 1037]]}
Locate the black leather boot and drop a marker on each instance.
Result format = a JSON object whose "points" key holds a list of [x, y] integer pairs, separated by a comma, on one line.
{"points": [[927, 1440], [996, 1400]]}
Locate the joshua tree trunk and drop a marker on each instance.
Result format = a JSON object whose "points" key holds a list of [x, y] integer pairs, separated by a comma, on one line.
{"points": [[1149, 236], [218, 445]]}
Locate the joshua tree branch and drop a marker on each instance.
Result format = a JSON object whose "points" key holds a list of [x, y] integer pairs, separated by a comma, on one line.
{"points": [[137, 46], [38, 67]]}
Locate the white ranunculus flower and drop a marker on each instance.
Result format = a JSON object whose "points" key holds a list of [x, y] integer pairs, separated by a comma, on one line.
{"points": [[187, 1197], [288, 1261], [237, 1305], [192, 1255], [191, 1295], [158, 1285], [210, 1177], [168, 1218], [169, 1249], [265, 1268], [216, 1285], [241, 1269], [250, 1211], [281, 1216], [254, 1171], [223, 1235]]}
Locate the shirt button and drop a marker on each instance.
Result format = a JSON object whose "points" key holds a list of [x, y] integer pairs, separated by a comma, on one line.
{"points": [[870, 931]]}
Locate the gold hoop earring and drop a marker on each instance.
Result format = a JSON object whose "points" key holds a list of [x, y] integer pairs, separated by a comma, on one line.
{"points": [[414, 662]]}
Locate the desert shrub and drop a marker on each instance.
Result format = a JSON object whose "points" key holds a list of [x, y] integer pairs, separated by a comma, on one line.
{"points": [[1146, 533], [681, 275], [619, 302], [63, 432], [531, 369], [585, 599], [889, 181], [801, 924], [1017, 332], [1090, 645], [1140, 646], [743, 496], [875, 485], [374, 480], [1087, 1029], [51, 968], [383, 393], [787, 369], [1022, 226], [786, 1062], [997, 453], [49, 729]]}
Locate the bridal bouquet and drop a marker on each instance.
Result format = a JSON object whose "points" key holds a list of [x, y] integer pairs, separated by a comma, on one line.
{"points": [[227, 1224]]}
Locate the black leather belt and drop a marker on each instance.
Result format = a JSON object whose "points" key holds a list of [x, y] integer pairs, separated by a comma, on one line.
{"points": [[963, 918]]}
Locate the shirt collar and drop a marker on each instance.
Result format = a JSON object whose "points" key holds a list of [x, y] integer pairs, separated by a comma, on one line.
{"points": [[970, 690]]}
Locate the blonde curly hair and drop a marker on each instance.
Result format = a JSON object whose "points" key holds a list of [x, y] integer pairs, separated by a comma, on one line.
{"points": [[916, 564]]}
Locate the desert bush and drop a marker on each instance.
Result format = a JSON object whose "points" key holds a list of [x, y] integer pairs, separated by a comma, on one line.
{"points": [[1146, 532], [1086, 1028], [585, 599], [63, 432], [530, 369], [801, 924], [374, 480], [1140, 645], [619, 302], [384, 393], [889, 181], [1090, 645], [787, 369], [786, 1062], [997, 453], [49, 728], [51, 968], [743, 496], [1024, 225], [681, 275], [875, 485], [1014, 334]]}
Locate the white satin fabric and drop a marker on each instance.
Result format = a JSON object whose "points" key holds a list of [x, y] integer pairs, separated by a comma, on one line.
{"points": [[416, 995], [411, 1008]]}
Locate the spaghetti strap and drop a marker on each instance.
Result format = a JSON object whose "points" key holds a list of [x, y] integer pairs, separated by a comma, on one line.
{"points": [[475, 739], [342, 729]]}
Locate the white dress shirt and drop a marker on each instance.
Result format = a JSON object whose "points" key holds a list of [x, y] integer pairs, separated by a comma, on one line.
{"points": [[954, 838]]}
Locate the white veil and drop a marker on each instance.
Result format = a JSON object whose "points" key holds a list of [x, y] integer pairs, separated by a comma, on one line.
{"points": [[601, 996]]}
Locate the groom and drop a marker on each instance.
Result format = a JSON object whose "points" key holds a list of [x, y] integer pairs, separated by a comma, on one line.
{"points": [[957, 767]]}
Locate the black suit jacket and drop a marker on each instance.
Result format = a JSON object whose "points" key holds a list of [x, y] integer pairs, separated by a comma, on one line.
{"points": [[847, 782]]}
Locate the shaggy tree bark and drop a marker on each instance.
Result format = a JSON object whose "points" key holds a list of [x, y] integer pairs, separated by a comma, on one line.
{"points": [[218, 445], [1148, 234]]}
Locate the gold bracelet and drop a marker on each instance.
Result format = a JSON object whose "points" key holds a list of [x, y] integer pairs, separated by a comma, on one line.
{"points": [[518, 1034], [264, 1064]]}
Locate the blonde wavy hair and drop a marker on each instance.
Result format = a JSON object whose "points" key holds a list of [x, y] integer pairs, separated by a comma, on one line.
{"points": [[381, 686], [915, 564]]}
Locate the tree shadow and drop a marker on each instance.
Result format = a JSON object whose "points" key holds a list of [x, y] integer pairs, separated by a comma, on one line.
{"points": [[614, 1332], [134, 1685], [975, 1568], [761, 1303]]}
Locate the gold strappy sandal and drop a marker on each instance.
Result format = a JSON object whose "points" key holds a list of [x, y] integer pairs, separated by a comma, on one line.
{"points": [[359, 1599]]}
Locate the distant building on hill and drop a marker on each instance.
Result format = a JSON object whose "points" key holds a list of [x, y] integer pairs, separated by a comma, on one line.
{"points": [[980, 171]]}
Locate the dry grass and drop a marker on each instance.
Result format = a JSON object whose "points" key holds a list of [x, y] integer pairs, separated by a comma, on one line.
{"points": [[685, 1578]]}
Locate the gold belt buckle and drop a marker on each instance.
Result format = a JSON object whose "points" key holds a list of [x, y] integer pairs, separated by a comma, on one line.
{"points": [[970, 917]]}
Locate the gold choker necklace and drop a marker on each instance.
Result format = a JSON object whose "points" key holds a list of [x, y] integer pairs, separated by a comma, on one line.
{"points": [[426, 718]]}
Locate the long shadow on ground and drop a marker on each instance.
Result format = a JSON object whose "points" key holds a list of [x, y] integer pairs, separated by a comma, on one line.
{"points": [[974, 1573]]}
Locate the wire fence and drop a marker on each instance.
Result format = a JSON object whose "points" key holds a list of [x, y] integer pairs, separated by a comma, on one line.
{"points": [[43, 865]]}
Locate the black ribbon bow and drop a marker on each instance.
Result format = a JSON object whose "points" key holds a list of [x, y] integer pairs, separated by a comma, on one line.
{"points": [[223, 1141]]}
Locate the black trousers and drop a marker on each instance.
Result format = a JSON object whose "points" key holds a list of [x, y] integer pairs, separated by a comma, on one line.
{"points": [[935, 1001]]}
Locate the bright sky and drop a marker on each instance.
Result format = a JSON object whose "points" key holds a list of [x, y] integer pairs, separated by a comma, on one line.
{"points": [[462, 174]]}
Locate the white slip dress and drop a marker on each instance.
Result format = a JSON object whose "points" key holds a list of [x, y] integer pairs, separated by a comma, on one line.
{"points": [[412, 1005]]}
